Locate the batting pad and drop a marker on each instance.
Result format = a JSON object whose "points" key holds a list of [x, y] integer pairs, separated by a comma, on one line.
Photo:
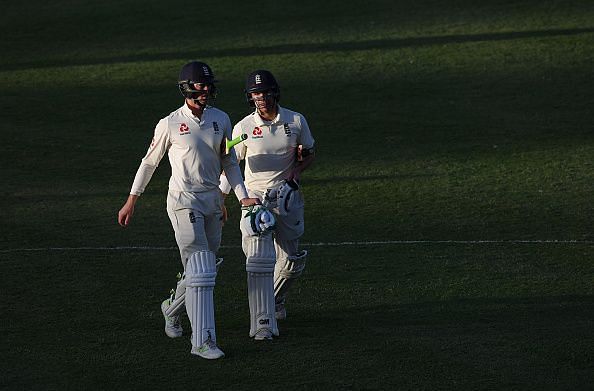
{"points": [[260, 260], [286, 272], [201, 272], [178, 302], [177, 305]]}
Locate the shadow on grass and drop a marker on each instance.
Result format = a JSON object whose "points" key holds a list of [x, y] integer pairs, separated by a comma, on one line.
{"points": [[395, 43], [559, 317], [539, 334], [358, 179], [529, 342]]}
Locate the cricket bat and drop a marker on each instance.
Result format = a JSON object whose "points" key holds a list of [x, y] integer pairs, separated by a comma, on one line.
{"points": [[231, 143]]}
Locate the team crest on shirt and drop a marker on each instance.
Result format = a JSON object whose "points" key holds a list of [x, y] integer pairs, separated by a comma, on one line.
{"points": [[287, 129], [184, 129], [215, 125], [257, 132]]}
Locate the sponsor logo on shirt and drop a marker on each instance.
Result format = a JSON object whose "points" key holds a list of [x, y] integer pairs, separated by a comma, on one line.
{"points": [[287, 129], [183, 129], [257, 132]]}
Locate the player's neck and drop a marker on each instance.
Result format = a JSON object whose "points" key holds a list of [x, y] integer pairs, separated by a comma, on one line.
{"points": [[268, 115], [196, 109]]}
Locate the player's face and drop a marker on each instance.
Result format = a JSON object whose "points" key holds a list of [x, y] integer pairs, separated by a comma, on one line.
{"points": [[201, 92], [264, 100]]}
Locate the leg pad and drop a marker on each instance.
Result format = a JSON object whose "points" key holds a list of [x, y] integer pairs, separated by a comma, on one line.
{"points": [[201, 272]]}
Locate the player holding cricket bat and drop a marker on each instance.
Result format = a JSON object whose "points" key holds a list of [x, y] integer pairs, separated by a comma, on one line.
{"points": [[278, 149]]}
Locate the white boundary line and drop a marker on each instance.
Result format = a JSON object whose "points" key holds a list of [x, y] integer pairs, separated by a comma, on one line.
{"points": [[321, 244]]}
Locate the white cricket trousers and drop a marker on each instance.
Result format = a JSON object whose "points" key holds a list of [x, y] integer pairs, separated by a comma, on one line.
{"points": [[197, 220]]}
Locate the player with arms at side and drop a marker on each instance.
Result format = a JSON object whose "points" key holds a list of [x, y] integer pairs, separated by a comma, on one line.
{"points": [[194, 138], [278, 149]]}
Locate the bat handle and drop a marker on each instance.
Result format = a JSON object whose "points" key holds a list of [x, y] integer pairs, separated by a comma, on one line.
{"points": [[236, 140]]}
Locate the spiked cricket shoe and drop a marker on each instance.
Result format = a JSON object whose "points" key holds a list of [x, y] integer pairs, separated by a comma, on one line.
{"points": [[173, 327], [208, 350], [263, 334]]}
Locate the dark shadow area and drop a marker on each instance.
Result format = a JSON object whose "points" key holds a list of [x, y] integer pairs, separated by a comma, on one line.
{"points": [[463, 311], [358, 179], [526, 340], [521, 319], [301, 48]]}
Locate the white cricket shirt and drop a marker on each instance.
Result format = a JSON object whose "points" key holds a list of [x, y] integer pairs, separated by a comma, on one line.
{"points": [[270, 150], [194, 148]]}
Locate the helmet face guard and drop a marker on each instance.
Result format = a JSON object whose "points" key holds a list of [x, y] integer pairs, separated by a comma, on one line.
{"points": [[262, 81], [189, 91], [268, 99], [192, 78]]}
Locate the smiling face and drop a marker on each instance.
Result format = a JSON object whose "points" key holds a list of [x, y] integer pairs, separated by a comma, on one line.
{"points": [[265, 102]]}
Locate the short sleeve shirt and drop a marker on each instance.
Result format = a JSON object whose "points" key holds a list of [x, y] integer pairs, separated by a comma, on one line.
{"points": [[270, 150]]}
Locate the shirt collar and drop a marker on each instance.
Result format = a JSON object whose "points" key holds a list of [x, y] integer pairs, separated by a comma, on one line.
{"points": [[187, 111]]}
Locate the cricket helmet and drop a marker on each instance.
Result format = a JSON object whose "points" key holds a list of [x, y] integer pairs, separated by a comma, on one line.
{"points": [[193, 73], [262, 81]]}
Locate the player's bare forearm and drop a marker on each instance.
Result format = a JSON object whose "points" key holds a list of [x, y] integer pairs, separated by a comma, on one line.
{"points": [[306, 162], [301, 166], [249, 201]]}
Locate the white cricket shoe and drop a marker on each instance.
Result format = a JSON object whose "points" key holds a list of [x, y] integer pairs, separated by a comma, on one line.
{"points": [[280, 312], [173, 327], [263, 334], [208, 350]]}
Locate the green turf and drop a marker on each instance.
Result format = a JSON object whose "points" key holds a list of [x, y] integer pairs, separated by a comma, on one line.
{"points": [[435, 121]]}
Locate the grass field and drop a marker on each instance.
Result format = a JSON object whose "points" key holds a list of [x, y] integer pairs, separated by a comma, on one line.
{"points": [[458, 134]]}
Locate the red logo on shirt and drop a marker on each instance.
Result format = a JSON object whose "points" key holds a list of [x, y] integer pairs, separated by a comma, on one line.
{"points": [[257, 133], [183, 129]]}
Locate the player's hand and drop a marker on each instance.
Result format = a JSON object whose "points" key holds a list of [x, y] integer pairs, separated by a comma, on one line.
{"points": [[125, 214], [249, 201], [294, 176]]}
